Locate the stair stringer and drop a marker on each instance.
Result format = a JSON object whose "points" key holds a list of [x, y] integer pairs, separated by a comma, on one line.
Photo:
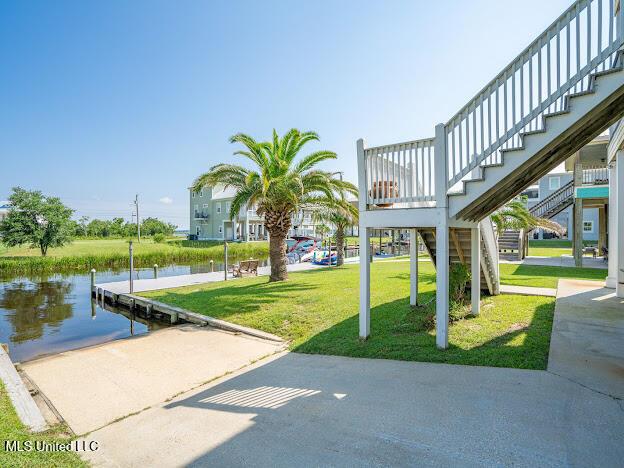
{"points": [[565, 132], [490, 278]]}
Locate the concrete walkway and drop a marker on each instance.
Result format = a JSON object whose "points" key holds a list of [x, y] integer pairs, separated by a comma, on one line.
{"points": [[527, 290], [587, 344], [312, 410], [92, 387]]}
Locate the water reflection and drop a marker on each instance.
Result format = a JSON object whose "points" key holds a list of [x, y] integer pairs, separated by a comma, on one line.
{"points": [[30, 307]]}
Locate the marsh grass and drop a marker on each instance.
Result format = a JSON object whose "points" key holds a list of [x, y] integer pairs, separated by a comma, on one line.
{"points": [[82, 255]]}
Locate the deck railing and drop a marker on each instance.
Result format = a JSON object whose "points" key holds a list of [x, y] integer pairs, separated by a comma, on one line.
{"points": [[598, 175], [582, 41], [400, 173]]}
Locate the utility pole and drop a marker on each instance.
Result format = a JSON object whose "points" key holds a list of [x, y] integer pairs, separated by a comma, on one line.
{"points": [[138, 221]]}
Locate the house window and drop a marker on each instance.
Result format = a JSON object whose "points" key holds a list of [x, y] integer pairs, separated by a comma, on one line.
{"points": [[193, 193], [221, 230], [588, 226], [218, 207], [205, 205], [554, 183], [201, 193], [197, 230], [227, 207]]}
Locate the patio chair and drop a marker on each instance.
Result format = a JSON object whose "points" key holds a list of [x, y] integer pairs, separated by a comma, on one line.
{"points": [[245, 268]]}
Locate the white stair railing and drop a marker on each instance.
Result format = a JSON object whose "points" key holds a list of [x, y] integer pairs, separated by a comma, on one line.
{"points": [[583, 40]]}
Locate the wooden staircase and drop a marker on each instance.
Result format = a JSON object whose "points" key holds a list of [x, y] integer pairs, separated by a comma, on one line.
{"points": [[511, 245], [460, 252]]}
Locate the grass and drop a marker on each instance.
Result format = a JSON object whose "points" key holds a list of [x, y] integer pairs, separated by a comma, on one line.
{"points": [[318, 312], [111, 253], [546, 276], [11, 429], [553, 247]]}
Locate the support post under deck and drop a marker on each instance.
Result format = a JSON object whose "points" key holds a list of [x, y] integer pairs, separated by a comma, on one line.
{"points": [[619, 164], [442, 285], [364, 283], [475, 267], [413, 267], [611, 280]]}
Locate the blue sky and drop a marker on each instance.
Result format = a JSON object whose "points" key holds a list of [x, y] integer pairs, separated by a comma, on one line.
{"points": [[102, 100]]}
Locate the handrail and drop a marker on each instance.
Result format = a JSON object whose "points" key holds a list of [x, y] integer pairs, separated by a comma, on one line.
{"points": [[516, 100], [553, 200]]}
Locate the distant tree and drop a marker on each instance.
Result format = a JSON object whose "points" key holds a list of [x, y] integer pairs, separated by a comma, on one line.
{"points": [[341, 214], [152, 226], [82, 225], [98, 228], [35, 219]]}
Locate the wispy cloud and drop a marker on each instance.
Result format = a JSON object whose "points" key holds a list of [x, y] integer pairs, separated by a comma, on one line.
{"points": [[166, 200]]}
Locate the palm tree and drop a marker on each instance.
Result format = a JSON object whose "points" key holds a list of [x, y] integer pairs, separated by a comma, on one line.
{"points": [[278, 185], [516, 216], [341, 214]]}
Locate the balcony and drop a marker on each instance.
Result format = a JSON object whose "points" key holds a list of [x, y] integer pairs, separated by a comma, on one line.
{"points": [[201, 215], [400, 175], [595, 175]]}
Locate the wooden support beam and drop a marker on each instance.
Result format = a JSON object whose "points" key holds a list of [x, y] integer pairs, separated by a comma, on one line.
{"points": [[458, 247]]}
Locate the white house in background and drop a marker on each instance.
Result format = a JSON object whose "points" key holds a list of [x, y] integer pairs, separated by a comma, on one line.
{"points": [[531, 117], [4, 209]]}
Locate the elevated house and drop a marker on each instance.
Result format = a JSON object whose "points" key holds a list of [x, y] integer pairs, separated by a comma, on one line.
{"points": [[210, 218], [561, 92]]}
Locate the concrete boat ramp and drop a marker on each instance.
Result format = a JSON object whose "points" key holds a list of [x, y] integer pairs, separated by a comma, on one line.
{"points": [[92, 387]]}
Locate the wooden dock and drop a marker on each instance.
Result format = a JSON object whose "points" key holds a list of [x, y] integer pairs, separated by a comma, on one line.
{"points": [[150, 309]]}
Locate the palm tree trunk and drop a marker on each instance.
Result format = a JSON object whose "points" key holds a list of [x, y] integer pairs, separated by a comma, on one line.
{"points": [[277, 224], [340, 246]]}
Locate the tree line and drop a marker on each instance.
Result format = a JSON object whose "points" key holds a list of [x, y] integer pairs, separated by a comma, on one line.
{"points": [[43, 222], [119, 227]]}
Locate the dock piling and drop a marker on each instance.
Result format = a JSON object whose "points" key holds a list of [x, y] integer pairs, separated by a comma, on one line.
{"points": [[93, 280], [131, 267], [155, 271]]}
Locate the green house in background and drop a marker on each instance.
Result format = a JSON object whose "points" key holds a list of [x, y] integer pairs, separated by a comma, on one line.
{"points": [[210, 218]]}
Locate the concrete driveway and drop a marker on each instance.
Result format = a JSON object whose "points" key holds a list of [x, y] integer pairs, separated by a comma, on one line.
{"points": [[302, 410]]}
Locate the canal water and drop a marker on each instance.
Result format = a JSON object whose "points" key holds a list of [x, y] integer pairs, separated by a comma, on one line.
{"points": [[49, 314]]}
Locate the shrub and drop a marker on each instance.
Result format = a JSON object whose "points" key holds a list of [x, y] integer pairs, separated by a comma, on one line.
{"points": [[458, 300], [159, 238]]}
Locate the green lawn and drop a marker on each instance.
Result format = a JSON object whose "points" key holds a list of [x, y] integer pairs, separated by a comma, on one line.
{"points": [[11, 429], [318, 311], [546, 276], [553, 247]]}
